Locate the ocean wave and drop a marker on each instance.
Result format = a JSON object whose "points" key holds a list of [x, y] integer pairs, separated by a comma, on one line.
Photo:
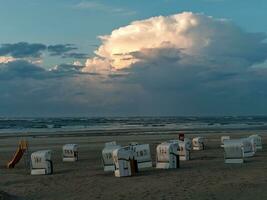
{"points": [[83, 123]]}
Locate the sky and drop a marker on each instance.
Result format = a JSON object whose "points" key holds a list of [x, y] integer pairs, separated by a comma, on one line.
{"points": [[133, 58]]}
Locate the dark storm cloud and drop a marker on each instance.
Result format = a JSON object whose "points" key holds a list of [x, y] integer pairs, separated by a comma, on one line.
{"points": [[35, 50], [22, 49], [22, 69], [75, 55], [68, 68], [60, 49]]}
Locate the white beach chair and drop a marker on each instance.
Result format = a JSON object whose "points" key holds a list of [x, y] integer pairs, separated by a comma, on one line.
{"points": [[107, 159], [142, 155], [70, 152], [233, 151], [188, 143], [253, 144], [184, 148], [198, 143], [41, 163], [184, 151], [258, 141], [168, 155], [224, 138], [125, 164], [248, 147]]}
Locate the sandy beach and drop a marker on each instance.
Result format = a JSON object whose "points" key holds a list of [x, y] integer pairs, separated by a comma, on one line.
{"points": [[204, 177]]}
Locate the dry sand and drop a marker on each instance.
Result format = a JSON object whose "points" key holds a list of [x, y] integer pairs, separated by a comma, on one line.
{"points": [[204, 177]]}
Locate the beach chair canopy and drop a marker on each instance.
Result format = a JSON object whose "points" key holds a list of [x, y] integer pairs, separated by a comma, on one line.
{"points": [[43, 155], [123, 153], [113, 143], [224, 138], [73, 147]]}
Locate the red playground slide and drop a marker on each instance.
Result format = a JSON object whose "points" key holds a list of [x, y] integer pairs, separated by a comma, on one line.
{"points": [[23, 146]]}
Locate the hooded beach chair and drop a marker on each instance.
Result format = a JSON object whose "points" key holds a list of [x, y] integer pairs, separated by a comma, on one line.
{"points": [[41, 163], [70, 152], [168, 155]]}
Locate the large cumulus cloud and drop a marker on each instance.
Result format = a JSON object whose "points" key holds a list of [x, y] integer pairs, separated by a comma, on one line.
{"points": [[196, 35], [188, 64]]}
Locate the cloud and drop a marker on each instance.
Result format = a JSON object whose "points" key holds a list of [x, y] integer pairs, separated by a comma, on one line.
{"points": [[22, 50], [183, 64], [97, 6], [60, 49], [68, 69], [6, 59], [92, 5], [186, 63], [65, 51], [20, 69], [75, 55], [25, 69], [30, 90], [25, 50], [195, 35], [97, 65]]}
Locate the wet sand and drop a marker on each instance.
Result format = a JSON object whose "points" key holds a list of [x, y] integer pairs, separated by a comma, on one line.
{"points": [[204, 177]]}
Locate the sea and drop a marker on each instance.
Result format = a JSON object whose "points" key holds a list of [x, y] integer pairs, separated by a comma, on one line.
{"points": [[65, 124]]}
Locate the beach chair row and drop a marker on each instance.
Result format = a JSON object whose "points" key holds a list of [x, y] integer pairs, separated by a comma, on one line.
{"points": [[41, 161], [128, 160], [240, 150], [123, 161]]}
